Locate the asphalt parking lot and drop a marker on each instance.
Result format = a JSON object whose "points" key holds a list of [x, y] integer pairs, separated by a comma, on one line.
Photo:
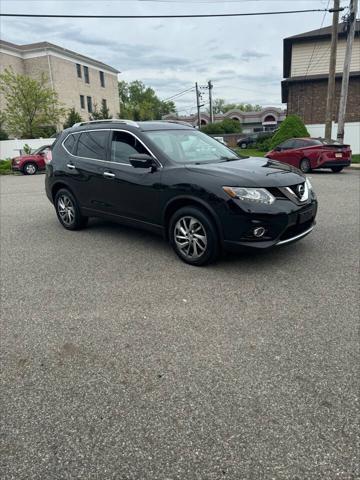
{"points": [[121, 362]]}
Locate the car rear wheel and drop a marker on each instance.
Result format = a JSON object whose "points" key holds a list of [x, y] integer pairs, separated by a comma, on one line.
{"points": [[193, 236], [243, 145], [67, 210], [30, 168], [336, 169], [305, 165]]}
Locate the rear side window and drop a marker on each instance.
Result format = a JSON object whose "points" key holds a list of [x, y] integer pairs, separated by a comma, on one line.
{"points": [[123, 145], [287, 144], [70, 143], [93, 144]]}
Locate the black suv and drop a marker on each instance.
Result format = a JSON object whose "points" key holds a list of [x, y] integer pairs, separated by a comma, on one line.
{"points": [[171, 179]]}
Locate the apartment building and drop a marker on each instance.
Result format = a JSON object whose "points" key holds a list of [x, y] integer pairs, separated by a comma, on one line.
{"points": [[80, 82]]}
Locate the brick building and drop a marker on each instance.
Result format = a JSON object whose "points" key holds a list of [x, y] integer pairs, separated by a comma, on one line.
{"points": [[80, 82], [306, 70]]}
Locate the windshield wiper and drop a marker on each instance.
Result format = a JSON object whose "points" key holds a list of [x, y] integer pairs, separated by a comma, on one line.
{"points": [[229, 159]]}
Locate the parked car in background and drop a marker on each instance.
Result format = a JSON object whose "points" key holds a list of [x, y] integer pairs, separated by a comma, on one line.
{"points": [[29, 164], [246, 142], [176, 181], [312, 153]]}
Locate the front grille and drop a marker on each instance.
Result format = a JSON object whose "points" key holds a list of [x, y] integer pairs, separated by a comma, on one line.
{"points": [[295, 189], [276, 192], [296, 229]]}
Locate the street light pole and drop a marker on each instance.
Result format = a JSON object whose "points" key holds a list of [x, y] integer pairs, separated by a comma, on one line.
{"points": [[210, 86]]}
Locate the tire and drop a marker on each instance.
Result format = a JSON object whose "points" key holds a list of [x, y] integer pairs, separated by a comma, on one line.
{"points": [[68, 211], [186, 226], [337, 169], [305, 165], [30, 168], [243, 145]]}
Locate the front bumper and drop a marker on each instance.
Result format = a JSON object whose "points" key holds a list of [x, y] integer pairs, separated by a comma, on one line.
{"points": [[15, 167], [282, 227]]}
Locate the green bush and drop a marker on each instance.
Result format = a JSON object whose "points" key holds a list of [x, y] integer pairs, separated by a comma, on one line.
{"points": [[264, 145], [226, 126], [5, 166], [291, 127]]}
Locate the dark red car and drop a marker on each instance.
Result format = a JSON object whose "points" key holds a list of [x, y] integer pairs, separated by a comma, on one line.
{"points": [[29, 164], [312, 153]]}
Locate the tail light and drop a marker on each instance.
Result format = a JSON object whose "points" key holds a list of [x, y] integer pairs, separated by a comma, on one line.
{"points": [[48, 157]]}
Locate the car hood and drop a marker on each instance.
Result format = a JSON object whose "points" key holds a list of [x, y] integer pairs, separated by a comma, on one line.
{"points": [[251, 172]]}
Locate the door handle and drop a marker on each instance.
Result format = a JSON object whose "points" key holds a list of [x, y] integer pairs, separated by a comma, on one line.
{"points": [[71, 166], [109, 174]]}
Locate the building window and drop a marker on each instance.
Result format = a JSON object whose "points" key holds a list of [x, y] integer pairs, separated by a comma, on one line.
{"points": [[104, 103], [78, 70], [102, 79], [82, 101], [89, 104], [86, 74]]}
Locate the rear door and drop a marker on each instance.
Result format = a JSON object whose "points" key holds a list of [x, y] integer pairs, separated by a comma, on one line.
{"points": [[128, 191], [85, 165]]}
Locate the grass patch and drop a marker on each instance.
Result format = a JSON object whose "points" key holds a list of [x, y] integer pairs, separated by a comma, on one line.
{"points": [[249, 152], [5, 167], [355, 158]]}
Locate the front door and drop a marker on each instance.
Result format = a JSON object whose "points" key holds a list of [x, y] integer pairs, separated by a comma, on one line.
{"points": [[131, 192]]}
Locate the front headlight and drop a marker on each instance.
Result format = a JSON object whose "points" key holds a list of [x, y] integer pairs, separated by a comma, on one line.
{"points": [[257, 195], [308, 183]]}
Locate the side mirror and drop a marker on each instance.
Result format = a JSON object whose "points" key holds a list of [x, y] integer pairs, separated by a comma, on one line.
{"points": [[142, 160]]}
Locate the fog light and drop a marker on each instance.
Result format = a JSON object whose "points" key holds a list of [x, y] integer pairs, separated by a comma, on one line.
{"points": [[259, 232]]}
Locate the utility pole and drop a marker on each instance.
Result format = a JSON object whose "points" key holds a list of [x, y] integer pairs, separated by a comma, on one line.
{"points": [[332, 70], [210, 86], [198, 104], [346, 71]]}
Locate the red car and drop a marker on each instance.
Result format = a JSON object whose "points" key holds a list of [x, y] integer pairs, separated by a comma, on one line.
{"points": [[312, 153], [30, 164]]}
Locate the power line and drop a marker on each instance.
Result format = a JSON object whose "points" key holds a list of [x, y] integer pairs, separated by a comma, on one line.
{"points": [[178, 94], [193, 15]]}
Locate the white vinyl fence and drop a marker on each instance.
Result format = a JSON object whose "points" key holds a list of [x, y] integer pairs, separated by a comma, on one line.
{"points": [[351, 130], [13, 148]]}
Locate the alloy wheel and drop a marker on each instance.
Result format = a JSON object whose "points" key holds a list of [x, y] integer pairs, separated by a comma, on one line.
{"points": [[30, 169], [190, 237], [66, 210]]}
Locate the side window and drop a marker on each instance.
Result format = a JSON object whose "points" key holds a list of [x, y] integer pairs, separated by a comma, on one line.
{"points": [[287, 145], [301, 144], [123, 145], [93, 144], [70, 143]]}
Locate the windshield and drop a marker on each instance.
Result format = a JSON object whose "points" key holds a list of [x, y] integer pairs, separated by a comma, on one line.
{"points": [[190, 146]]}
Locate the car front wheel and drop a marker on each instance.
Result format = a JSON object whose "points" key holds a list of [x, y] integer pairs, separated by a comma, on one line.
{"points": [[68, 211], [30, 168], [243, 145], [193, 236]]}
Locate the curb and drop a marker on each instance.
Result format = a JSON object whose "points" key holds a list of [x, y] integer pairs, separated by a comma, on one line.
{"points": [[355, 166]]}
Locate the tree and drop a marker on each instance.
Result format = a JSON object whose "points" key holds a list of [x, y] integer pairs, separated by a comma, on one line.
{"points": [[226, 126], [72, 117], [3, 134], [102, 114], [30, 104], [138, 102], [291, 127], [220, 106]]}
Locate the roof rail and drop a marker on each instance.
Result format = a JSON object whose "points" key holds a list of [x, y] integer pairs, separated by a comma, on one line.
{"points": [[181, 122], [108, 120]]}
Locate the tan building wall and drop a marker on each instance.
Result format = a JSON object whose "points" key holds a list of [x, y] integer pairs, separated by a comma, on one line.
{"points": [[60, 70], [7, 61], [312, 58]]}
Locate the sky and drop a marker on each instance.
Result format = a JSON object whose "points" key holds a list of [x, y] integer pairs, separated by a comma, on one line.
{"points": [[241, 55]]}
